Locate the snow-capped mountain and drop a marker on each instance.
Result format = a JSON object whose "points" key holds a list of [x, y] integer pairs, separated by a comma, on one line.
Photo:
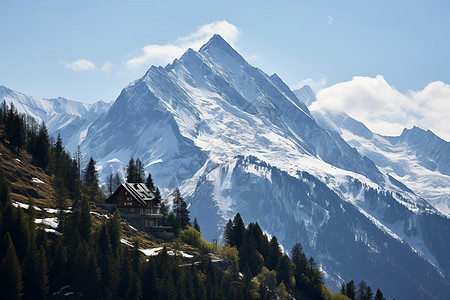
{"points": [[68, 118], [305, 94], [235, 139], [417, 158]]}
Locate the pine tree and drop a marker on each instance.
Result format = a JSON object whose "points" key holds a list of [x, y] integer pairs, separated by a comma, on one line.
{"points": [[274, 253], [30, 271], [228, 234], [284, 270], [369, 293], [163, 207], [58, 152], [61, 198], [238, 231], [299, 259], [180, 209], [14, 128], [105, 259], [41, 153], [42, 287], [150, 184], [117, 181], [379, 295], [364, 292], [149, 281], [85, 224], [195, 224], [140, 172], [58, 267], [78, 156], [10, 272], [21, 234], [4, 189], [350, 290], [131, 171], [115, 230], [90, 182], [110, 184]]}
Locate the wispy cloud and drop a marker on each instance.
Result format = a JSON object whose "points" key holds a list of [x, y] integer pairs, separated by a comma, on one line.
{"points": [[384, 109], [79, 65], [315, 85], [163, 54], [106, 68], [330, 20]]}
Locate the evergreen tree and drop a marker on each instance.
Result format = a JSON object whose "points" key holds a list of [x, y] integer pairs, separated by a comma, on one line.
{"points": [[150, 184], [163, 207], [4, 189], [228, 234], [85, 224], [14, 128], [379, 295], [369, 293], [58, 267], [149, 281], [78, 156], [274, 253], [238, 231], [105, 260], [350, 290], [115, 229], [117, 181], [58, 150], [31, 274], [131, 171], [4, 110], [21, 234], [90, 182], [10, 271], [363, 292], [41, 153], [284, 270], [110, 184], [140, 172], [180, 209], [196, 225], [299, 259], [61, 198]]}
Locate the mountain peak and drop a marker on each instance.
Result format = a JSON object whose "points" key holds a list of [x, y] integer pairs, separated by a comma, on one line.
{"points": [[217, 44], [215, 41], [306, 95]]}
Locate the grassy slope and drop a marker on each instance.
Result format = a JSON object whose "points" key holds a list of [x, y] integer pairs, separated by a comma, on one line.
{"points": [[20, 171]]}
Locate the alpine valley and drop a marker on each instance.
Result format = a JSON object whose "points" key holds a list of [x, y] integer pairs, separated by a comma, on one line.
{"points": [[235, 139]]}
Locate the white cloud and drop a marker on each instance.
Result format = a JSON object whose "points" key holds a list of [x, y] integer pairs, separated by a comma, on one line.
{"points": [[163, 54], [79, 65], [385, 110], [313, 84], [106, 68], [330, 20]]}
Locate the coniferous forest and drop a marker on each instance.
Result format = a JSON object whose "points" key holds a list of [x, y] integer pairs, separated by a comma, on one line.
{"points": [[80, 260]]}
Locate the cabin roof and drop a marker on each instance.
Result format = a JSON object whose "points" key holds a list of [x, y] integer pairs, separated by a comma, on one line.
{"points": [[139, 191]]}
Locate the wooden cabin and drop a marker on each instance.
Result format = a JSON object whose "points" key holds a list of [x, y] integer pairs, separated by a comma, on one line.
{"points": [[137, 202]]}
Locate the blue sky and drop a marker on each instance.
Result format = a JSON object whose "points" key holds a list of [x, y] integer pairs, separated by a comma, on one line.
{"points": [[83, 50]]}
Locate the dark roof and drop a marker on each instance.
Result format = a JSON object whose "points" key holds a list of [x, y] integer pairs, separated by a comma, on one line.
{"points": [[139, 191]]}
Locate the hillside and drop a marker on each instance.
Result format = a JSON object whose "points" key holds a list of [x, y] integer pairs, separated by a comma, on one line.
{"points": [[29, 182], [26, 179]]}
